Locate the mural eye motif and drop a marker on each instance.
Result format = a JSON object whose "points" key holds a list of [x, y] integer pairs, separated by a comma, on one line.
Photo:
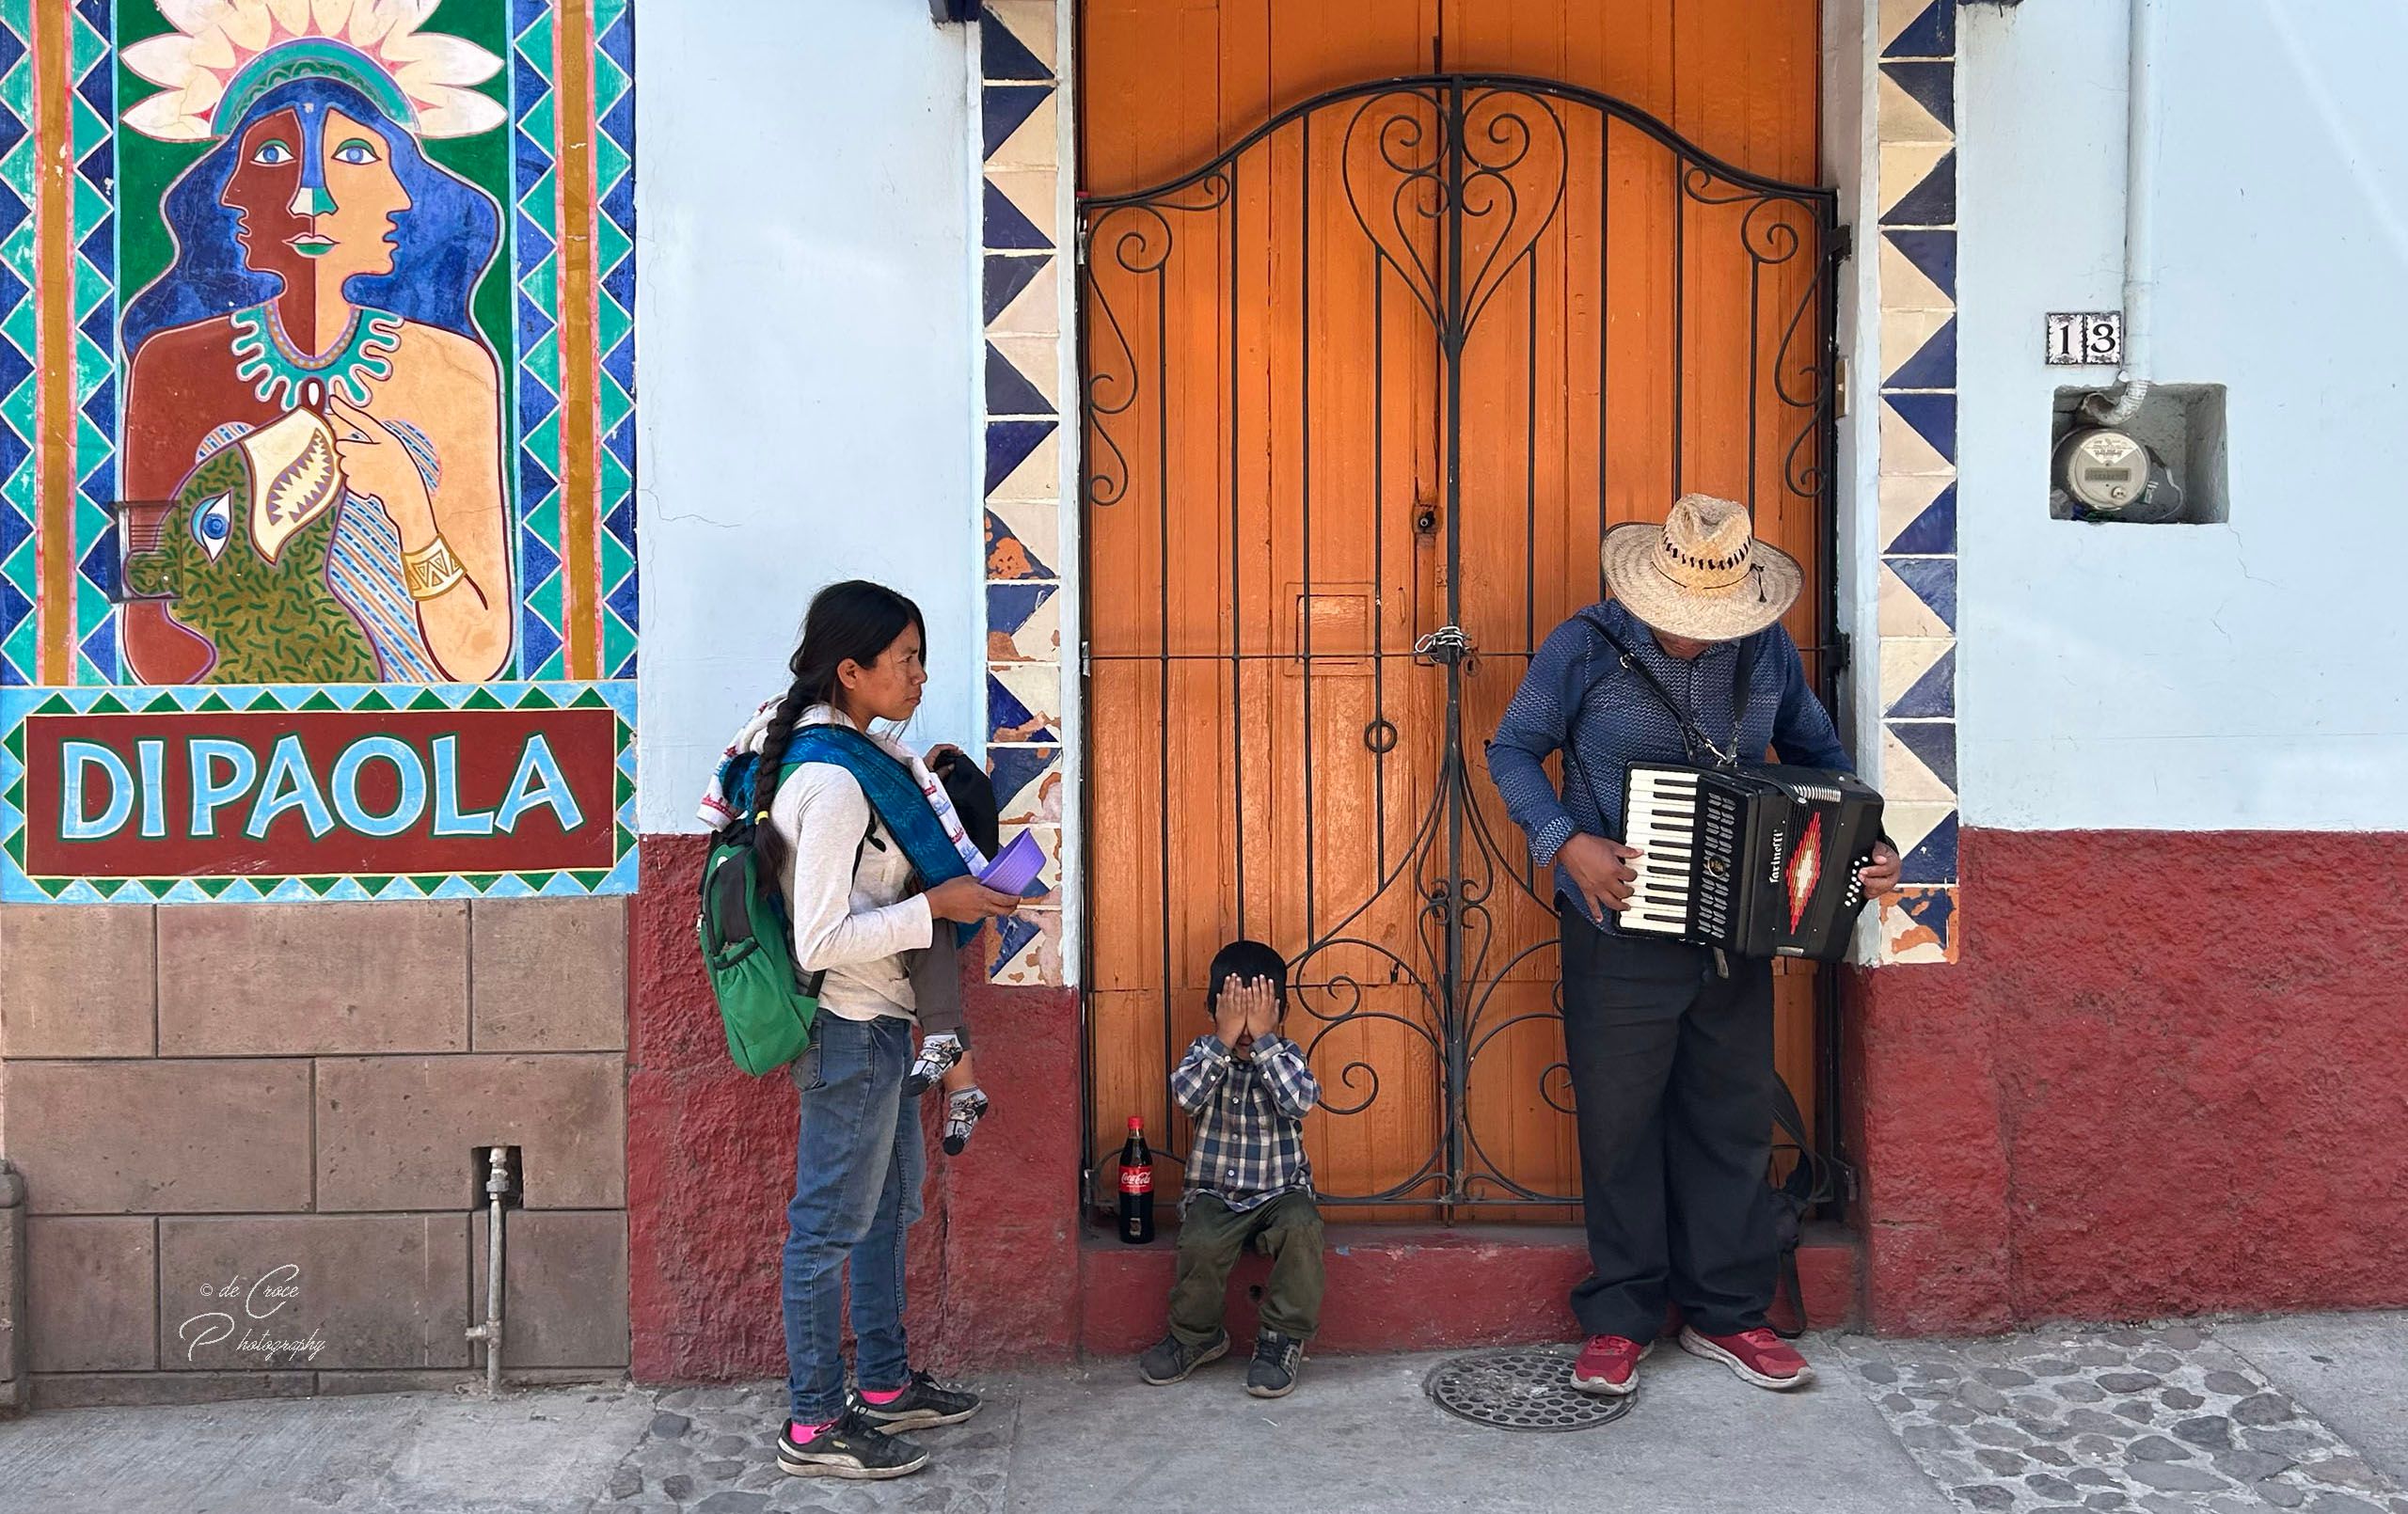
{"points": [[213, 524], [274, 152], [358, 150]]}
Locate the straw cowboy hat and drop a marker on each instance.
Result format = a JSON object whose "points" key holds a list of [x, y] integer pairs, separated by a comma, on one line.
{"points": [[1702, 574]]}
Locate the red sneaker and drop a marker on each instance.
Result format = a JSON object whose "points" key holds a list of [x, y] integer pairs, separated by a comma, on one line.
{"points": [[1756, 1356], [1609, 1364]]}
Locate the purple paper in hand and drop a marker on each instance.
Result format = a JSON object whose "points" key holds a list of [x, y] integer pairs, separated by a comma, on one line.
{"points": [[1017, 866]]}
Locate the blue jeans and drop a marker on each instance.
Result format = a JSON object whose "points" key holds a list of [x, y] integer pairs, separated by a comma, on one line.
{"points": [[858, 1168]]}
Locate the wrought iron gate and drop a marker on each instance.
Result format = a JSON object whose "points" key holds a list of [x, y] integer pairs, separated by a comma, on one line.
{"points": [[1472, 320]]}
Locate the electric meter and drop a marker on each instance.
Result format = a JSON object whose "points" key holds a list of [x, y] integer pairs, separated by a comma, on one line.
{"points": [[2111, 475]]}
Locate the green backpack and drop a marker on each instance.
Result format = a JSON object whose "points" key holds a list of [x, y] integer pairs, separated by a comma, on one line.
{"points": [[766, 1002]]}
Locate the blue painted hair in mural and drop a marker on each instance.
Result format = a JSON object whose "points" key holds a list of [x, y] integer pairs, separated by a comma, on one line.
{"points": [[443, 244]]}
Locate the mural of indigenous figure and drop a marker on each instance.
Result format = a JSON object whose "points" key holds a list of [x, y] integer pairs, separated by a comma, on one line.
{"points": [[312, 434]]}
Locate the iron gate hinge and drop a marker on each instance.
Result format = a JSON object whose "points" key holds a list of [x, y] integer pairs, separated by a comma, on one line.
{"points": [[1842, 652], [1843, 244], [1839, 388], [1085, 668]]}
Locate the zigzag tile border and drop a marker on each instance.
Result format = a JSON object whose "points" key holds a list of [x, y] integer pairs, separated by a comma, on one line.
{"points": [[553, 527], [535, 304], [1916, 168], [17, 704], [614, 296], [93, 231], [20, 580], [1023, 47]]}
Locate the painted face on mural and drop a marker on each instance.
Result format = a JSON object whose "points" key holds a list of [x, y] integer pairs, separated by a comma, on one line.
{"points": [[315, 224]]}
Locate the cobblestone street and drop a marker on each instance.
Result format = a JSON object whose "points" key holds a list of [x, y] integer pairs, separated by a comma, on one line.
{"points": [[2308, 1413], [2168, 1421]]}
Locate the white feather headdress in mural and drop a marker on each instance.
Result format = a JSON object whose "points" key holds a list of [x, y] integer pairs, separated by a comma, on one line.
{"points": [[223, 55]]}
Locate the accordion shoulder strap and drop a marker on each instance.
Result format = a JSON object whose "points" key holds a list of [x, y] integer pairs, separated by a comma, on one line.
{"points": [[1701, 745]]}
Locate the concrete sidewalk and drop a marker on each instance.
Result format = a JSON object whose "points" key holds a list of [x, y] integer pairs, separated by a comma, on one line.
{"points": [[2299, 1414]]}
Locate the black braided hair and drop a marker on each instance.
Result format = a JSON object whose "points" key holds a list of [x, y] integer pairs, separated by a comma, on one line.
{"points": [[855, 621]]}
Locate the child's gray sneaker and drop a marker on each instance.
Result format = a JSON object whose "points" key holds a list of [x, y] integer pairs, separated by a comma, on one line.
{"points": [[1170, 1360], [1277, 1357]]}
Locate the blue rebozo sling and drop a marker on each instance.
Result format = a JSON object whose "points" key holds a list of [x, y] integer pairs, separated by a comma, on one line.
{"points": [[765, 1002]]}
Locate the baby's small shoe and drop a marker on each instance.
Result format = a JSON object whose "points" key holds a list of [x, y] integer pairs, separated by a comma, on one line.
{"points": [[938, 1053], [961, 1115]]}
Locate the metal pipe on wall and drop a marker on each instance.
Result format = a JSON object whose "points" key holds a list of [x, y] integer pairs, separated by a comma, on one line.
{"points": [[2140, 217], [489, 1332]]}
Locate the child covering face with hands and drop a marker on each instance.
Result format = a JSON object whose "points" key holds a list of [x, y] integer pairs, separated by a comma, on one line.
{"points": [[1248, 1183]]}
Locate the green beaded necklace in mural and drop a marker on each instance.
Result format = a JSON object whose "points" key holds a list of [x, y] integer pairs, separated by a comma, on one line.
{"points": [[267, 358]]}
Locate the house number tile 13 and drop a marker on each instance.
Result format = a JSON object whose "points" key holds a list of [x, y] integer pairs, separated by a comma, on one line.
{"points": [[2085, 338]]}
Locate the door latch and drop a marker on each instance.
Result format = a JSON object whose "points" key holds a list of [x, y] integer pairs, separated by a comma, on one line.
{"points": [[1446, 646]]}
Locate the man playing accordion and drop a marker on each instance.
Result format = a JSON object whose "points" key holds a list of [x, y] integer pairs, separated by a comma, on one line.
{"points": [[1669, 1044]]}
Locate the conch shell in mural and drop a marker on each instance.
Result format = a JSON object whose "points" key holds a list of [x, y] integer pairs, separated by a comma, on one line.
{"points": [[239, 559]]}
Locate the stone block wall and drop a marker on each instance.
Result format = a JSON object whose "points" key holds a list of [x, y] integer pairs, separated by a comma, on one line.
{"points": [[248, 1140]]}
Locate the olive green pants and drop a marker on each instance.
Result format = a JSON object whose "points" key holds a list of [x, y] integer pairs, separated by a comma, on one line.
{"points": [[1213, 1236]]}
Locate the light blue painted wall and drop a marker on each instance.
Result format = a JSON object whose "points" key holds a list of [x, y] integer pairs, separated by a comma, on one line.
{"points": [[2245, 675], [806, 323]]}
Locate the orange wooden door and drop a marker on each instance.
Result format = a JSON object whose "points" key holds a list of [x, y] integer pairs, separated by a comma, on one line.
{"points": [[1363, 388]]}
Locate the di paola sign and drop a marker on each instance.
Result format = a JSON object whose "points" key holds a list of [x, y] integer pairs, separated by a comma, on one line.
{"points": [[293, 792]]}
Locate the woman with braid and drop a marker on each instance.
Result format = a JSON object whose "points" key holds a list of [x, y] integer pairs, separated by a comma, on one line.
{"points": [[879, 883]]}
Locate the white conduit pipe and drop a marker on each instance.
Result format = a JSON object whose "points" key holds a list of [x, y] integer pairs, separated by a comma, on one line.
{"points": [[2140, 219]]}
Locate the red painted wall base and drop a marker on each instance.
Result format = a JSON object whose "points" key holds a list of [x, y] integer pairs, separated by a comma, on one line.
{"points": [[999, 1271], [1410, 1288], [2166, 1076], [710, 1166]]}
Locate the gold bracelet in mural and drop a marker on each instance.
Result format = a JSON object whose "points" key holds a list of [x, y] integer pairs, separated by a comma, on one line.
{"points": [[430, 570]]}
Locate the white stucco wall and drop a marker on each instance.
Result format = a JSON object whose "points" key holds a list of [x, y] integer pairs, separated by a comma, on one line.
{"points": [[2233, 676], [806, 320]]}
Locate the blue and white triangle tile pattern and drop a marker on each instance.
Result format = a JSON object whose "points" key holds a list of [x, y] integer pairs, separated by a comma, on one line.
{"points": [[1024, 236], [1916, 187]]}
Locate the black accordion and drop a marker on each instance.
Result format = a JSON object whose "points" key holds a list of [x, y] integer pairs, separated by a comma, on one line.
{"points": [[1758, 861]]}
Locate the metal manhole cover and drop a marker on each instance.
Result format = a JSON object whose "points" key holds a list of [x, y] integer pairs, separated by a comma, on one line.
{"points": [[1525, 1388]]}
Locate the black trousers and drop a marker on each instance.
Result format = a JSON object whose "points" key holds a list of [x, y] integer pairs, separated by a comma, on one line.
{"points": [[1671, 1073]]}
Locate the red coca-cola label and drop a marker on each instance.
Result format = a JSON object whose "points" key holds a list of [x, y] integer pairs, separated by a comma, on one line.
{"points": [[1136, 1180]]}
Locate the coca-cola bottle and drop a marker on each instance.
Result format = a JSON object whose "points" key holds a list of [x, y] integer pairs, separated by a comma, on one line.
{"points": [[1137, 1187]]}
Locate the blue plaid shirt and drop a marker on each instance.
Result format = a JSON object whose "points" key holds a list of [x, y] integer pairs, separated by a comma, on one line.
{"points": [[1621, 721], [1249, 1116]]}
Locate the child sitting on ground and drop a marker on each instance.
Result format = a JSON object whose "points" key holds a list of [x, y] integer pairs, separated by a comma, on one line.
{"points": [[1248, 1182]]}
